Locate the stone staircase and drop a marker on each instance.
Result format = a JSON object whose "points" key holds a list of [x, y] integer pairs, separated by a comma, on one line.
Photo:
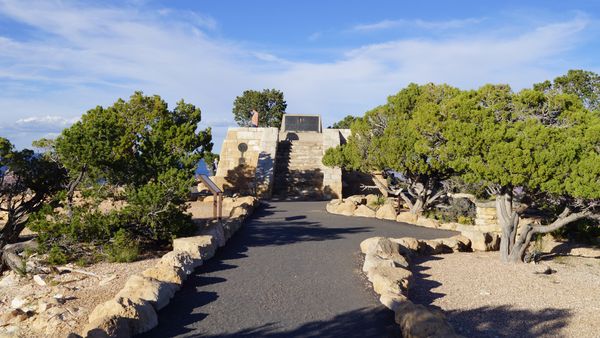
{"points": [[299, 172]]}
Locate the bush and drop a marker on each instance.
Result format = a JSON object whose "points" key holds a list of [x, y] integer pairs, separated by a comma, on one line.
{"points": [[56, 256], [460, 210], [379, 201], [465, 220], [156, 211], [123, 249], [583, 231]]}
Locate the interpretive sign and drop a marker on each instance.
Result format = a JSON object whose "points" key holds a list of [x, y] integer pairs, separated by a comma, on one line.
{"points": [[301, 123]]}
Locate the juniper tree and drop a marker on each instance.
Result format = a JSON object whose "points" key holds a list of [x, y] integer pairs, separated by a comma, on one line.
{"points": [[405, 136], [493, 139], [27, 181], [269, 103]]}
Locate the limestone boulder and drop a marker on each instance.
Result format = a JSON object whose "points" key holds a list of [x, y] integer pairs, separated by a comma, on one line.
{"points": [[357, 199], [372, 261], [345, 208], [393, 301], [386, 211], [458, 243], [588, 252], [368, 245], [433, 247], [332, 206], [181, 259], [247, 201], [371, 200], [364, 211], [482, 241], [416, 321], [148, 289], [428, 222], [166, 273], [108, 327], [239, 211], [389, 250], [383, 252], [231, 226], [409, 243], [215, 230], [199, 247], [407, 217], [140, 315], [387, 279]]}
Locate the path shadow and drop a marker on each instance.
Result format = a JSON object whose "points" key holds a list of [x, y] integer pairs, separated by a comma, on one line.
{"points": [[506, 321], [261, 230], [180, 312], [364, 322], [422, 290], [487, 321]]}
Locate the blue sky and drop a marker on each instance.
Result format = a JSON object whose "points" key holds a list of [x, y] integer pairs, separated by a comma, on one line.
{"points": [[60, 58]]}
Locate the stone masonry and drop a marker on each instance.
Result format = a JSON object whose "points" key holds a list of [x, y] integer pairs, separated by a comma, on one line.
{"points": [[247, 161], [267, 162]]}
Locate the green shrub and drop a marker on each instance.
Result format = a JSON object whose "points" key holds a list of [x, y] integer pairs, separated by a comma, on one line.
{"points": [[465, 220], [379, 201], [460, 210], [56, 256], [123, 248]]}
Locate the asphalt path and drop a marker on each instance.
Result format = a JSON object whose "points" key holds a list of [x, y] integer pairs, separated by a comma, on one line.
{"points": [[292, 270]]}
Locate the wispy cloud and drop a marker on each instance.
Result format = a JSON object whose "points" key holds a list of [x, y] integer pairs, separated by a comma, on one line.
{"points": [[83, 56], [45, 123], [417, 23], [315, 36]]}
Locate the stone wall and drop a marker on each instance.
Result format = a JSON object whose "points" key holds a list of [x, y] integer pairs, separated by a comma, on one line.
{"points": [[250, 172], [332, 177], [485, 216]]}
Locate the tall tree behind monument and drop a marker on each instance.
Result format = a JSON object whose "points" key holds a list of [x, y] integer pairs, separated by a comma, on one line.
{"points": [[269, 103]]}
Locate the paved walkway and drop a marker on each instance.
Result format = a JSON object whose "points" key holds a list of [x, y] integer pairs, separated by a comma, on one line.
{"points": [[291, 271]]}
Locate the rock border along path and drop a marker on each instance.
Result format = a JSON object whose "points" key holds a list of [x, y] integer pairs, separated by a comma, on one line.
{"points": [[134, 309], [291, 270]]}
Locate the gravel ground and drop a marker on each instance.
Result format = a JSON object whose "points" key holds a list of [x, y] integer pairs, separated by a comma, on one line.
{"points": [[484, 297], [81, 293]]}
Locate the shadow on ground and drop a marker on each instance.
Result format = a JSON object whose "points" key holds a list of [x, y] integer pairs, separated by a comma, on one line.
{"points": [[488, 321], [349, 324], [265, 229]]}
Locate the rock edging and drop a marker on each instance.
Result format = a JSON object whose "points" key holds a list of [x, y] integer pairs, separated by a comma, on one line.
{"points": [[483, 237], [134, 308], [387, 267]]}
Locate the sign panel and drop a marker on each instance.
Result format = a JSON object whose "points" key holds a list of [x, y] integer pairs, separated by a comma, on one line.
{"points": [[210, 184], [302, 123]]}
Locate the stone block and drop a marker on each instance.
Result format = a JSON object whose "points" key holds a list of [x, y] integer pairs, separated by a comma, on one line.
{"points": [[148, 289], [199, 247]]}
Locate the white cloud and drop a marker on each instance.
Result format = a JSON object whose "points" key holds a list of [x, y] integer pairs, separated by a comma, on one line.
{"points": [[47, 121], [417, 23], [88, 56]]}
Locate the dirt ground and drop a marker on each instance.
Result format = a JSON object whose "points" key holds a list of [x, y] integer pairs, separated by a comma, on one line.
{"points": [[483, 297], [70, 297]]}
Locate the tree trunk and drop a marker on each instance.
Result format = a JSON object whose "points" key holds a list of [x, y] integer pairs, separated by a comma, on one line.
{"points": [[513, 247], [383, 188], [509, 221], [417, 207]]}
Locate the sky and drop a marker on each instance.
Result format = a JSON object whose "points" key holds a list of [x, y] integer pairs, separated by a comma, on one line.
{"points": [[59, 59]]}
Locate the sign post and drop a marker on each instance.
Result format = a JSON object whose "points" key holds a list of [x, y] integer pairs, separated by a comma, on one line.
{"points": [[217, 196]]}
